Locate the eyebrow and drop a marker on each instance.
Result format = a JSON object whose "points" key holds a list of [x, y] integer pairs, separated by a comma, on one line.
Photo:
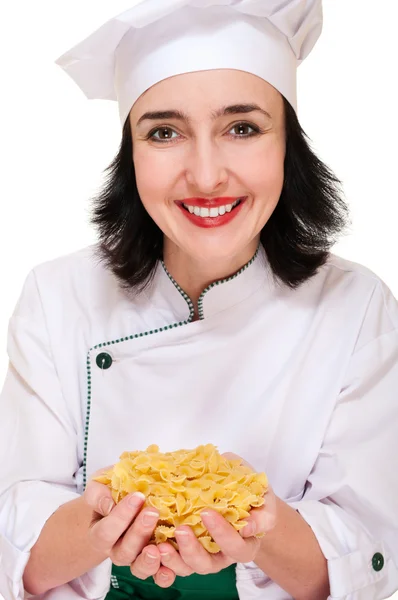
{"points": [[234, 109]]}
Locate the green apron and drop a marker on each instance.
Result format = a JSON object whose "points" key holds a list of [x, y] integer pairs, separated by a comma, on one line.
{"points": [[220, 586]]}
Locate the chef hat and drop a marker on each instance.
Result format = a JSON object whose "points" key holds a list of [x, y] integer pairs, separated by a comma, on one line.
{"points": [[157, 39]]}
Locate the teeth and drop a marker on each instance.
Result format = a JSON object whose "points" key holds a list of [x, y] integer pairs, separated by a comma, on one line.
{"points": [[215, 211]]}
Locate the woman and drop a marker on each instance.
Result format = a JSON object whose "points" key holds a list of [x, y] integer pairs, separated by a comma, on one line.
{"points": [[210, 311]]}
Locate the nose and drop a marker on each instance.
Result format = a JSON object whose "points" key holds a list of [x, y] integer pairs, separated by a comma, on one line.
{"points": [[206, 170]]}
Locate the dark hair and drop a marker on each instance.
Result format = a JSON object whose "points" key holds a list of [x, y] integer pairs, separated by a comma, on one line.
{"points": [[297, 238]]}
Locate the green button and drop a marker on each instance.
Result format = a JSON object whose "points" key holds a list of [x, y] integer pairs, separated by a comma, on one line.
{"points": [[378, 561], [104, 360]]}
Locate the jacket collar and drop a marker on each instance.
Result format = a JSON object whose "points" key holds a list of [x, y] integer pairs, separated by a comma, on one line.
{"points": [[168, 297]]}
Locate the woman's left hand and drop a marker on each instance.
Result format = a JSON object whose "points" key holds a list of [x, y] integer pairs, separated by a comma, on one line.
{"points": [[235, 547]]}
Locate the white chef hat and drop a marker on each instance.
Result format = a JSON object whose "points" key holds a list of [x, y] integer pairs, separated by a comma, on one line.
{"points": [[157, 39]]}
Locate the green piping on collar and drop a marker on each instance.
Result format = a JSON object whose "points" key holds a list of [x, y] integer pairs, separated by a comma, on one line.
{"points": [[118, 341], [151, 332], [212, 285]]}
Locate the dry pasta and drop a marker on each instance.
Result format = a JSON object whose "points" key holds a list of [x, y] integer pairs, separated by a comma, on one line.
{"points": [[181, 484]]}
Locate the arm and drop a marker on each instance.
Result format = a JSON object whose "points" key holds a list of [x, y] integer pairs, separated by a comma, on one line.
{"points": [[289, 552], [345, 528], [350, 501], [291, 556], [38, 437], [63, 550], [76, 539]]}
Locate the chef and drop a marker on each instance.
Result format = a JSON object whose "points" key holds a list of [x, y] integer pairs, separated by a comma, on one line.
{"points": [[211, 310]]}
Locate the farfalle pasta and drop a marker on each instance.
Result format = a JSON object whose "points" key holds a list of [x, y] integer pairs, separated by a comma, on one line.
{"points": [[181, 484]]}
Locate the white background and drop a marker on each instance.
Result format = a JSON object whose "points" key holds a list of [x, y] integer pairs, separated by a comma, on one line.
{"points": [[55, 144]]}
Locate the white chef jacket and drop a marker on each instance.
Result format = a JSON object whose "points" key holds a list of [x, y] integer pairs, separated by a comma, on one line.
{"points": [[302, 384]]}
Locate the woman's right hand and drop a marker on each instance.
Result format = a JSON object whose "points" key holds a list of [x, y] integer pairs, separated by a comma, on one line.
{"points": [[122, 532]]}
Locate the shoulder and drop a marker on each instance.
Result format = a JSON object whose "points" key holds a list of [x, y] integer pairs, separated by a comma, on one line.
{"points": [[78, 287], [73, 266], [78, 275], [79, 299], [349, 299], [357, 277], [369, 297], [346, 267]]}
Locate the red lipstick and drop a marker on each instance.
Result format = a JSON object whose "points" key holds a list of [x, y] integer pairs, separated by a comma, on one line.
{"points": [[212, 202], [211, 222]]}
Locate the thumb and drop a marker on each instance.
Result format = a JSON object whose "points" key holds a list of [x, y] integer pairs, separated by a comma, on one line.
{"points": [[98, 495]]}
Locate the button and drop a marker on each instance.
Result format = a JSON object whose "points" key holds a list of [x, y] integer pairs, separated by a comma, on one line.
{"points": [[378, 561], [104, 360]]}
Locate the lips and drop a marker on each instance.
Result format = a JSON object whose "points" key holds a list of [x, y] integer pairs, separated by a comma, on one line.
{"points": [[209, 203], [206, 217], [213, 211]]}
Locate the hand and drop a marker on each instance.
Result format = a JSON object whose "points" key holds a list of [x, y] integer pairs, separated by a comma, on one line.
{"points": [[235, 547], [122, 532]]}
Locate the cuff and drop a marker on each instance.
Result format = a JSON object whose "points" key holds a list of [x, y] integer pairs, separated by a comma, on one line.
{"points": [[23, 514], [12, 566], [95, 584], [359, 567]]}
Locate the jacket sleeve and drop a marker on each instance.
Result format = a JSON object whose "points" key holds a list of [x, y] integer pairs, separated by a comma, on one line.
{"points": [[39, 442], [351, 496]]}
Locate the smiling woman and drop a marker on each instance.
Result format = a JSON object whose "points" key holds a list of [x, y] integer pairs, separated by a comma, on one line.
{"points": [[255, 172], [211, 311]]}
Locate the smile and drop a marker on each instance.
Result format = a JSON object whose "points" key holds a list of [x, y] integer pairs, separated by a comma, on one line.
{"points": [[212, 216], [212, 212]]}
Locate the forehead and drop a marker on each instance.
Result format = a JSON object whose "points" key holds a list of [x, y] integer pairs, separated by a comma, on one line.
{"points": [[204, 91]]}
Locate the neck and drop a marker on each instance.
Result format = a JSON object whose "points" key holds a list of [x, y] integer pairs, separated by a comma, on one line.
{"points": [[194, 275]]}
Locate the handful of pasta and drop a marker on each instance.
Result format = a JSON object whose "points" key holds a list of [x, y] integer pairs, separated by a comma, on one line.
{"points": [[183, 483]]}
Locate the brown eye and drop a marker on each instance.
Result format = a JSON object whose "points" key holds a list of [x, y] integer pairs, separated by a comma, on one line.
{"points": [[165, 134], [244, 130]]}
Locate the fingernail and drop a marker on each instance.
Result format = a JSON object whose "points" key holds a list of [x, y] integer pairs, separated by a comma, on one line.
{"points": [[136, 499], [150, 518], [106, 505], [250, 528], [182, 536], [163, 576], [164, 555], [150, 557], [208, 516]]}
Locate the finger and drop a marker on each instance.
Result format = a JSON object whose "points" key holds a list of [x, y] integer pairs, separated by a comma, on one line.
{"points": [[98, 495], [195, 556], [136, 537], [147, 563], [229, 540], [171, 558], [260, 522], [164, 577], [263, 519], [105, 533]]}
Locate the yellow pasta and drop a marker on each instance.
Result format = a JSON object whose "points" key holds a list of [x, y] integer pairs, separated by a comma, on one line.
{"points": [[183, 483]]}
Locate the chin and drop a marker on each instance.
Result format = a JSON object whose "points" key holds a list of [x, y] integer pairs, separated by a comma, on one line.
{"points": [[206, 251]]}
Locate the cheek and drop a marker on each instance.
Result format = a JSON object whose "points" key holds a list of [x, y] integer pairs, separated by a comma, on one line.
{"points": [[263, 172], [153, 175]]}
